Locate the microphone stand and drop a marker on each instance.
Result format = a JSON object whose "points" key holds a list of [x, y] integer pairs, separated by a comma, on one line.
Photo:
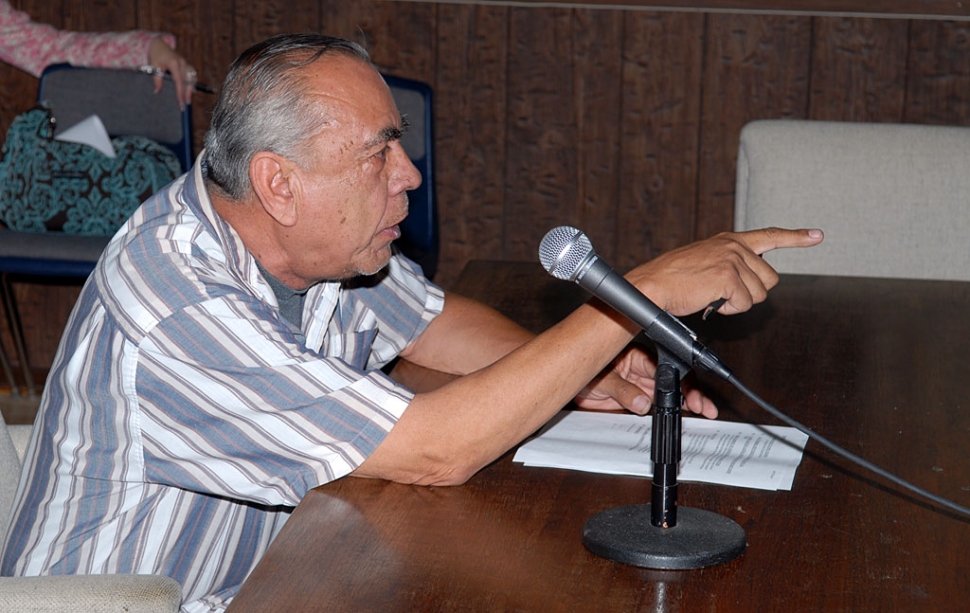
{"points": [[659, 535], [666, 441]]}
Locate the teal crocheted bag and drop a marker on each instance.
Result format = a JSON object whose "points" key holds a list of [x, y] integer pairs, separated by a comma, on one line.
{"points": [[50, 185]]}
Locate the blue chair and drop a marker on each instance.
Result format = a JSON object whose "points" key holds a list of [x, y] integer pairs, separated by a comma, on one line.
{"points": [[127, 105], [419, 232]]}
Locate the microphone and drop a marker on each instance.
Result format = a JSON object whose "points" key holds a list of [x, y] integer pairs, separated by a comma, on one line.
{"points": [[649, 535], [566, 253], [624, 534]]}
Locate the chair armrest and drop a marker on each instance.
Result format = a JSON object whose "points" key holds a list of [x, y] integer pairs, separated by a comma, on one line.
{"points": [[90, 593]]}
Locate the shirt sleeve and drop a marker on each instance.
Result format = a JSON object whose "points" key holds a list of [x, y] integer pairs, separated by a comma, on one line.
{"points": [[231, 404], [33, 46]]}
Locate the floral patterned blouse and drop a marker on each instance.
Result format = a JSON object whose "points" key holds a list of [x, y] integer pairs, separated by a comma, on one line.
{"points": [[33, 46]]}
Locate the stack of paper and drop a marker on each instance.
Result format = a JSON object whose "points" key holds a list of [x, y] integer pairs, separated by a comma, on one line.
{"points": [[745, 455]]}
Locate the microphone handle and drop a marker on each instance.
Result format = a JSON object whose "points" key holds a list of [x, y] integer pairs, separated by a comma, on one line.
{"points": [[602, 281]]}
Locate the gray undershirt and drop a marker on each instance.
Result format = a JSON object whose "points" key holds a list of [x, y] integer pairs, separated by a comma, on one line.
{"points": [[290, 300]]}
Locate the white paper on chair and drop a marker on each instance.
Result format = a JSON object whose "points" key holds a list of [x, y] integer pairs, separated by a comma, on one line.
{"points": [[89, 131], [712, 451]]}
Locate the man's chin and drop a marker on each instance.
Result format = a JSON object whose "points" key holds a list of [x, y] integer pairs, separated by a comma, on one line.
{"points": [[368, 270]]}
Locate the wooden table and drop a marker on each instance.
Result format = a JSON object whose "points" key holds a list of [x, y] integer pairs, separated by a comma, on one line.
{"points": [[880, 367]]}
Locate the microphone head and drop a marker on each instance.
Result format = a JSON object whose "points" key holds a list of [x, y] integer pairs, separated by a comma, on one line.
{"points": [[564, 251]]}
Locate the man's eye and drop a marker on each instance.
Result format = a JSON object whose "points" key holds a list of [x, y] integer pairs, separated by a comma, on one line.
{"points": [[382, 154]]}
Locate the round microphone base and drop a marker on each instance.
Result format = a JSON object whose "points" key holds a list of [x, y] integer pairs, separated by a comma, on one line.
{"points": [[700, 538]]}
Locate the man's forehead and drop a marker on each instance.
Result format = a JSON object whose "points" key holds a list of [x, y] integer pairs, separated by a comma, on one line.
{"points": [[347, 81], [354, 92]]}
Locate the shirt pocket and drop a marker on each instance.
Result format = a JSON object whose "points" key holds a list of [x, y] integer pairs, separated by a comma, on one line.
{"points": [[357, 347]]}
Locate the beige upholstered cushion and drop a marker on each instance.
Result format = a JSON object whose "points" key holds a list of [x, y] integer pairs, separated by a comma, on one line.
{"points": [[81, 594], [90, 594], [893, 199], [10, 463], [20, 435]]}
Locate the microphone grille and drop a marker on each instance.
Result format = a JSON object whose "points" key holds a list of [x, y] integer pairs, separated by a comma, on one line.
{"points": [[563, 251]]}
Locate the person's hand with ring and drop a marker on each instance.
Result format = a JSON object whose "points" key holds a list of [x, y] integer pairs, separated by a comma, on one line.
{"points": [[163, 57]]}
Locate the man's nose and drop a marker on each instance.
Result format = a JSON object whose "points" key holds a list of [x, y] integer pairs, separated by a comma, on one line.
{"points": [[406, 170]]}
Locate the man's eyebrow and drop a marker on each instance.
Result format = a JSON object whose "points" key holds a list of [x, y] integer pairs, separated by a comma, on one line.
{"points": [[390, 133]]}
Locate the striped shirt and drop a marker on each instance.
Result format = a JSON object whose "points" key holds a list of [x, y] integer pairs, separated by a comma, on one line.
{"points": [[184, 418]]}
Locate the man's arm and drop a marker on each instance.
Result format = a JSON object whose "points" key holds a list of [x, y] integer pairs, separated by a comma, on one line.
{"points": [[448, 434], [467, 336]]}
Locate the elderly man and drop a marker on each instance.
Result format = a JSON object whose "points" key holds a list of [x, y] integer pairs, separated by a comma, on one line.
{"points": [[225, 355]]}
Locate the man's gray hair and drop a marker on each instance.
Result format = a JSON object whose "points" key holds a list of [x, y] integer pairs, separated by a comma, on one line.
{"points": [[264, 106]]}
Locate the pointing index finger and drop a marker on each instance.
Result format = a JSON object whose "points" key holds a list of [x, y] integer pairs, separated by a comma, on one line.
{"points": [[767, 239]]}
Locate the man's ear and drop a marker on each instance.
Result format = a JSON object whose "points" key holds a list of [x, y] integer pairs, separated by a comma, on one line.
{"points": [[276, 185]]}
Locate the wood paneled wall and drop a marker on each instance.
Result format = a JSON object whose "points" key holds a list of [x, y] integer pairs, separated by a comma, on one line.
{"points": [[622, 122]]}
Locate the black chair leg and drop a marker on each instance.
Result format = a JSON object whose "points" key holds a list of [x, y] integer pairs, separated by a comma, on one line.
{"points": [[7, 372], [13, 319]]}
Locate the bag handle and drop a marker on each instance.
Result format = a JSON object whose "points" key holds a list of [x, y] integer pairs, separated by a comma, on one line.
{"points": [[47, 128]]}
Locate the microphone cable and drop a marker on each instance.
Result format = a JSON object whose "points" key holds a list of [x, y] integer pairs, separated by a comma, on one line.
{"points": [[567, 254], [845, 453]]}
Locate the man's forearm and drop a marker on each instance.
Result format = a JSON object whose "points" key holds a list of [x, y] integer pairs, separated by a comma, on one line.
{"points": [[448, 434], [466, 336]]}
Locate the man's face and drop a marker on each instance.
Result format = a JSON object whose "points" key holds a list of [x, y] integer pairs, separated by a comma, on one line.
{"points": [[354, 186]]}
